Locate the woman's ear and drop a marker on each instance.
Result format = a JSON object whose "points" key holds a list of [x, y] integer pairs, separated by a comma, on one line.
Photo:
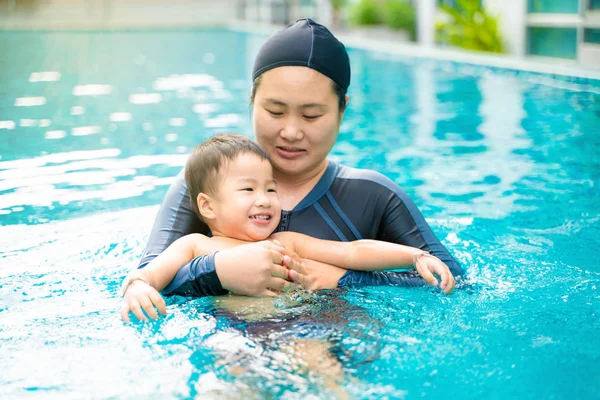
{"points": [[347, 99], [205, 206]]}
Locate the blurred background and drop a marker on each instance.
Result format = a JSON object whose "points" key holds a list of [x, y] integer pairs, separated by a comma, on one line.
{"points": [[559, 31]]}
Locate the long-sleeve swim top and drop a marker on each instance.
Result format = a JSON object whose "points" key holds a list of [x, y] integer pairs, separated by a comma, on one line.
{"points": [[346, 204]]}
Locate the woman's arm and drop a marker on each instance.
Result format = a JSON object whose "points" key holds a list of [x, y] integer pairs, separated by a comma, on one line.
{"points": [[403, 223]]}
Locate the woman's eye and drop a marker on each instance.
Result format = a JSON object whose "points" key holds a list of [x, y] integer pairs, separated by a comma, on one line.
{"points": [[311, 117], [275, 113], [272, 191], [247, 189]]}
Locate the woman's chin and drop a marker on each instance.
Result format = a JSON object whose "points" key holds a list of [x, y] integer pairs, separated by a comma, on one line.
{"points": [[290, 167]]}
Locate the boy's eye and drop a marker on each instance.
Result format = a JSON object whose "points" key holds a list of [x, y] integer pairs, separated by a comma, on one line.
{"points": [[272, 191], [247, 189], [275, 113]]}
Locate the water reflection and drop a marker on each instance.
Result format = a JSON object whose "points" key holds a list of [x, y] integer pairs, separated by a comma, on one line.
{"points": [[92, 90], [483, 137], [64, 178], [30, 101], [49, 76]]}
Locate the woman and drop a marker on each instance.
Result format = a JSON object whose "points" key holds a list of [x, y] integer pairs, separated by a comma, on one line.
{"points": [[301, 76]]}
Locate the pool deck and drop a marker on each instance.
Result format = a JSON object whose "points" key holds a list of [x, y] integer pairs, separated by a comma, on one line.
{"points": [[113, 14], [188, 14]]}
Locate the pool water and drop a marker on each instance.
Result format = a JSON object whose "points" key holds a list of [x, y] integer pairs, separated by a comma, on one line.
{"points": [[503, 164]]}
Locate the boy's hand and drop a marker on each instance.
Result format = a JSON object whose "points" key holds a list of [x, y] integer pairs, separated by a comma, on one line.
{"points": [[427, 265], [139, 298]]}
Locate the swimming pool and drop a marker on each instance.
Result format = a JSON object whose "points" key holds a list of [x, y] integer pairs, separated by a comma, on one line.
{"points": [[503, 164]]}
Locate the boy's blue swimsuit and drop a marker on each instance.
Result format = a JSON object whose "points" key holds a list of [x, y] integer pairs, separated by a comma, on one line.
{"points": [[346, 204]]}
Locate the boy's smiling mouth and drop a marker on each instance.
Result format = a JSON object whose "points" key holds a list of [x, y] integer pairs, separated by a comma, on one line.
{"points": [[261, 217]]}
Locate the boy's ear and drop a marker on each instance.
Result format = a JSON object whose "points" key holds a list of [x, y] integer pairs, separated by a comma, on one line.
{"points": [[205, 206]]}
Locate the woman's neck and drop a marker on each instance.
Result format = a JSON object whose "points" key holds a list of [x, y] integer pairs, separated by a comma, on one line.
{"points": [[292, 189]]}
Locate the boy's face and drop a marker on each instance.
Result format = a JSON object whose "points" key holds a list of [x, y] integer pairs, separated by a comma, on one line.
{"points": [[246, 206]]}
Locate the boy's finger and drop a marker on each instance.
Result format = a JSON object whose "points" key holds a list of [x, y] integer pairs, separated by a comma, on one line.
{"points": [[443, 273], [159, 302], [274, 245], [149, 308], [125, 313], [136, 309], [450, 285], [426, 274]]}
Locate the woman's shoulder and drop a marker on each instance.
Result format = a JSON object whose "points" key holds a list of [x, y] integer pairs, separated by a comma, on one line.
{"points": [[364, 176]]}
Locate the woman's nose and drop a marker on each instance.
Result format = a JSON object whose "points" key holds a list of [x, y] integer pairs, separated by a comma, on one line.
{"points": [[291, 131]]}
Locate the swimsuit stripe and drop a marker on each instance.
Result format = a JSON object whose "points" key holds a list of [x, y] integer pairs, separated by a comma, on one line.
{"points": [[343, 216], [329, 221]]}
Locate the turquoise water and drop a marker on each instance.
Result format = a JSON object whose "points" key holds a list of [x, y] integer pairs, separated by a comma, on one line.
{"points": [[504, 165]]}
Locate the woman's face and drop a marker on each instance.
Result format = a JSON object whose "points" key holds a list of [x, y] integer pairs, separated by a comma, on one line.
{"points": [[296, 118]]}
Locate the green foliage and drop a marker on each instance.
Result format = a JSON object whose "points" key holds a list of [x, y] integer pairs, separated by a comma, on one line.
{"points": [[400, 15], [365, 13], [470, 27], [338, 4]]}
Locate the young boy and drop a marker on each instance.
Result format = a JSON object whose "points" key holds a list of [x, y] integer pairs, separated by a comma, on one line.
{"points": [[231, 186]]}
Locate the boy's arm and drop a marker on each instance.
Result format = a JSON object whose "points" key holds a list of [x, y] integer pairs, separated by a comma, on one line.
{"points": [[362, 255], [143, 298], [372, 255], [162, 269]]}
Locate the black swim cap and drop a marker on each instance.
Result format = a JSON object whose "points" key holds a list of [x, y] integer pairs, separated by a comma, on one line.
{"points": [[307, 44]]}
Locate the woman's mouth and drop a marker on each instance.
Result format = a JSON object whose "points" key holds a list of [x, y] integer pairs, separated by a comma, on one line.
{"points": [[290, 152]]}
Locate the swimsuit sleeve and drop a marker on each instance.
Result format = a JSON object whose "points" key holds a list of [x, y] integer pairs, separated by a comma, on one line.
{"points": [[176, 219], [400, 221], [403, 223]]}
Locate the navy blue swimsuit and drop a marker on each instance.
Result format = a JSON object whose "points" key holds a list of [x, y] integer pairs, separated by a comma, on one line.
{"points": [[346, 204]]}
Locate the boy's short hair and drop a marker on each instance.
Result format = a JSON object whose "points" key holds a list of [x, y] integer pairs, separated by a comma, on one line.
{"points": [[207, 159]]}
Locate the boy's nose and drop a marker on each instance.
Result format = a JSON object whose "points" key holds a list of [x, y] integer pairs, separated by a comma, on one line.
{"points": [[263, 200]]}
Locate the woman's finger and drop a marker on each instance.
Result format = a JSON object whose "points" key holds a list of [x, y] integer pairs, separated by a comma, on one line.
{"points": [[296, 265], [279, 284], [268, 293], [277, 271], [276, 257]]}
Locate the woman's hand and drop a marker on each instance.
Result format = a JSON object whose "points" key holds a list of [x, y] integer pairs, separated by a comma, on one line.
{"points": [[427, 265], [139, 298], [256, 269], [318, 275]]}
